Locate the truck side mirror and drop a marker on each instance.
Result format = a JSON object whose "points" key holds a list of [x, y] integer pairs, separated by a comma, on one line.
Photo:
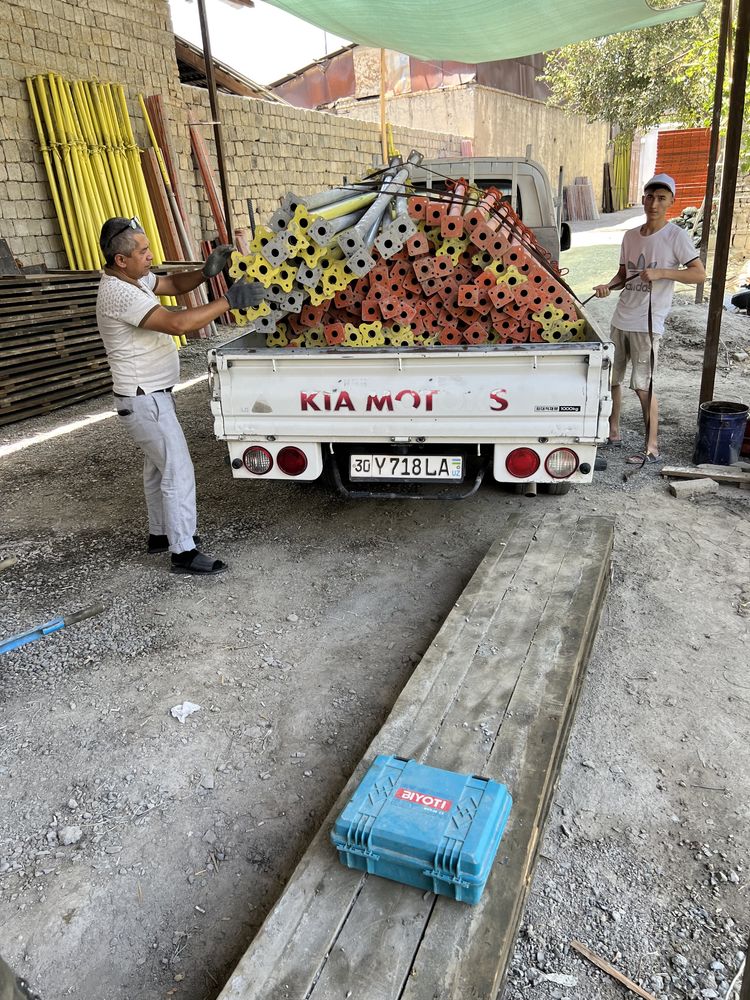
{"points": [[564, 236]]}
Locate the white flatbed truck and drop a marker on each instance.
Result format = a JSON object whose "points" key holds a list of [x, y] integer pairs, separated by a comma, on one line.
{"points": [[421, 421]]}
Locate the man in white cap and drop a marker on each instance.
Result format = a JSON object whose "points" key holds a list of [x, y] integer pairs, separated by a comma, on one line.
{"points": [[652, 258]]}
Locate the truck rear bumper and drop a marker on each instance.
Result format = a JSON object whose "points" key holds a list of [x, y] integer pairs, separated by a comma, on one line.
{"points": [[514, 462]]}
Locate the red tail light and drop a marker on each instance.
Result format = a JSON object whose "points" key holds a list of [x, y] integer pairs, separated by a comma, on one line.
{"points": [[522, 463], [257, 460], [292, 461]]}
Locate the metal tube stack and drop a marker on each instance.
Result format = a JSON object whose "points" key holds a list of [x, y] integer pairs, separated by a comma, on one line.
{"points": [[93, 165], [381, 265]]}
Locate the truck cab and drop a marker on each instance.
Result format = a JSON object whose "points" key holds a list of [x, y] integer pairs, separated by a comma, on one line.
{"points": [[524, 182]]}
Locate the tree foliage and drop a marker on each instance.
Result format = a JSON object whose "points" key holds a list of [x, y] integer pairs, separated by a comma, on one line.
{"points": [[639, 79]]}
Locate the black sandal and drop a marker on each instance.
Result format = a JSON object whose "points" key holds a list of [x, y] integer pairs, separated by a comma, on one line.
{"points": [[196, 563]]}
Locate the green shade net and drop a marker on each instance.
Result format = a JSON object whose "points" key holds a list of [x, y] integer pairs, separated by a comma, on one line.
{"points": [[475, 31]]}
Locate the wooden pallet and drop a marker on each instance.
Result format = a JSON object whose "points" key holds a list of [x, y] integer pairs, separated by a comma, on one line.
{"points": [[511, 654], [51, 354]]}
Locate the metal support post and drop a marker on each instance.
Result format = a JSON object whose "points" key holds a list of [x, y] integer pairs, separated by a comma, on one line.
{"points": [[726, 206], [708, 199], [212, 96]]}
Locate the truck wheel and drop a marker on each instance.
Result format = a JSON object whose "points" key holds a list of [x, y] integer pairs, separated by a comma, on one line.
{"points": [[556, 489]]}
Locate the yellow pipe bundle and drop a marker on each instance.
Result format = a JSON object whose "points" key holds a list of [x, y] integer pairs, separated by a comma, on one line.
{"points": [[92, 163]]}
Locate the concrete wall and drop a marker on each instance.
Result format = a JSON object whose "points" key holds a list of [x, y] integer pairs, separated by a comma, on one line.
{"points": [[505, 124], [501, 124], [270, 148]]}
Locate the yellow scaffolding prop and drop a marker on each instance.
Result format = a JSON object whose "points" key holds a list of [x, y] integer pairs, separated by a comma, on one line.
{"points": [[93, 165]]}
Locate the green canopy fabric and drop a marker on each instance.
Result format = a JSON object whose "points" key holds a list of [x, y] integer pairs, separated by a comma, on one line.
{"points": [[474, 31]]}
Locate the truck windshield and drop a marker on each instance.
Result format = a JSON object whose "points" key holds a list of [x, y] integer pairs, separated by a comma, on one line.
{"points": [[502, 184]]}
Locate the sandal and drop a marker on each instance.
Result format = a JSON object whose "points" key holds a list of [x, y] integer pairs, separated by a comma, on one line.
{"points": [[644, 459], [197, 564], [614, 442]]}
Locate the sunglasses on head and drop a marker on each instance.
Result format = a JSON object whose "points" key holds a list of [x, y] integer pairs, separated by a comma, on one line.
{"points": [[133, 223]]}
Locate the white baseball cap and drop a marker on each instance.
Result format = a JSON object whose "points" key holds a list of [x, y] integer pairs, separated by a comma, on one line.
{"points": [[663, 181]]}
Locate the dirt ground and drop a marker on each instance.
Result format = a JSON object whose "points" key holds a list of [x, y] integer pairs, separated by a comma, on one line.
{"points": [[139, 855]]}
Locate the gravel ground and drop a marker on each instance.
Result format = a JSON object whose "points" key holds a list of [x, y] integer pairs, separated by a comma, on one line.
{"points": [[138, 854]]}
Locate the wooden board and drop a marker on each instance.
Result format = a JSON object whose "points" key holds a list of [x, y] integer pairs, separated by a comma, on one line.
{"points": [[495, 695], [721, 473], [51, 353]]}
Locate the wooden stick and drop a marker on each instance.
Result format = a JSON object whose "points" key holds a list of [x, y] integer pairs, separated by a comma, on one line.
{"points": [[721, 473], [611, 970]]}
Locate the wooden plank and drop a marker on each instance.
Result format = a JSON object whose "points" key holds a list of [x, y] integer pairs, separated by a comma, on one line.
{"points": [[59, 342], [47, 405], [49, 376], [303, 925], [721, 473], [20, 396], [507, 649], [10, 332], [473, 946], [485, 691]]}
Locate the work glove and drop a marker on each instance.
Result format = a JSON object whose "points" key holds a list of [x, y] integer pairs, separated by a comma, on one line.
{"points": [[245, 295], [217, 260]]}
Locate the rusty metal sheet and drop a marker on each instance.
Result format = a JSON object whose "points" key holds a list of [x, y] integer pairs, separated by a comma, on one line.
{"points": [[320, 84], [517, 76]]}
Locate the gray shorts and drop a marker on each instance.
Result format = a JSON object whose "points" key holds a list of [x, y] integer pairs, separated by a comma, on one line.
{"points": [[634, 347]]}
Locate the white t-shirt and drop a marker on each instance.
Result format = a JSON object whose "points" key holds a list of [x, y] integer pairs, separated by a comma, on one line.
{"points": [[670, 247], [137, 357]]}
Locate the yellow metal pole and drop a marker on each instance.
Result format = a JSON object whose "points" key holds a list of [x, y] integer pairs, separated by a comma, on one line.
{"points": [[68, 186], [154, 143], [101, 174], [79, 181], [132, 206], [123, 205], [50, 170], [148, 218], [383, 135], [94, 210]]}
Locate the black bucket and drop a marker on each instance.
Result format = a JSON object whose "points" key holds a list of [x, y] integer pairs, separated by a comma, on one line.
{"points": [[721, 428]]}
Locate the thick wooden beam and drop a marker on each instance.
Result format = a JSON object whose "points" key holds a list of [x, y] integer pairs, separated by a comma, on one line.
{"points": [[495, 694]]}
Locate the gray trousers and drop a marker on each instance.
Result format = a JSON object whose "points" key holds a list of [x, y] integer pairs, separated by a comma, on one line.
{"points": [[168, 476]]}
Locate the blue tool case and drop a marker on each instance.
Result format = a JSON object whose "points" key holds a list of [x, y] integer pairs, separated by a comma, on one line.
{"points": [[423, 826]]}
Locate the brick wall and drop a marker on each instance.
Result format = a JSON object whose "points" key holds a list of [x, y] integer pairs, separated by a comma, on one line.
{"points": [[272, 149], [131, 44]]}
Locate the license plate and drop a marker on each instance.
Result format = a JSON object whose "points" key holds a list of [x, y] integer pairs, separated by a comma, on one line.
{"points": [[431, 467]]}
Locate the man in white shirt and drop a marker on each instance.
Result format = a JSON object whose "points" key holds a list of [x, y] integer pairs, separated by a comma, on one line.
{"points": [[652, 258], [137, 332]]}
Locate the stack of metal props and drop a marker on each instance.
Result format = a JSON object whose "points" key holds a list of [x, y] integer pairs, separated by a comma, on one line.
{"points": [[379, 264]]}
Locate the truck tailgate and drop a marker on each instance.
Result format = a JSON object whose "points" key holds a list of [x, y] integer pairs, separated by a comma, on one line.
{"points": [[482, 394]]}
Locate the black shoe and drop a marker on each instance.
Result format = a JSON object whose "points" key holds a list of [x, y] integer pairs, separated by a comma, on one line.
{"points": [[160, 543], [196, 563]]}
